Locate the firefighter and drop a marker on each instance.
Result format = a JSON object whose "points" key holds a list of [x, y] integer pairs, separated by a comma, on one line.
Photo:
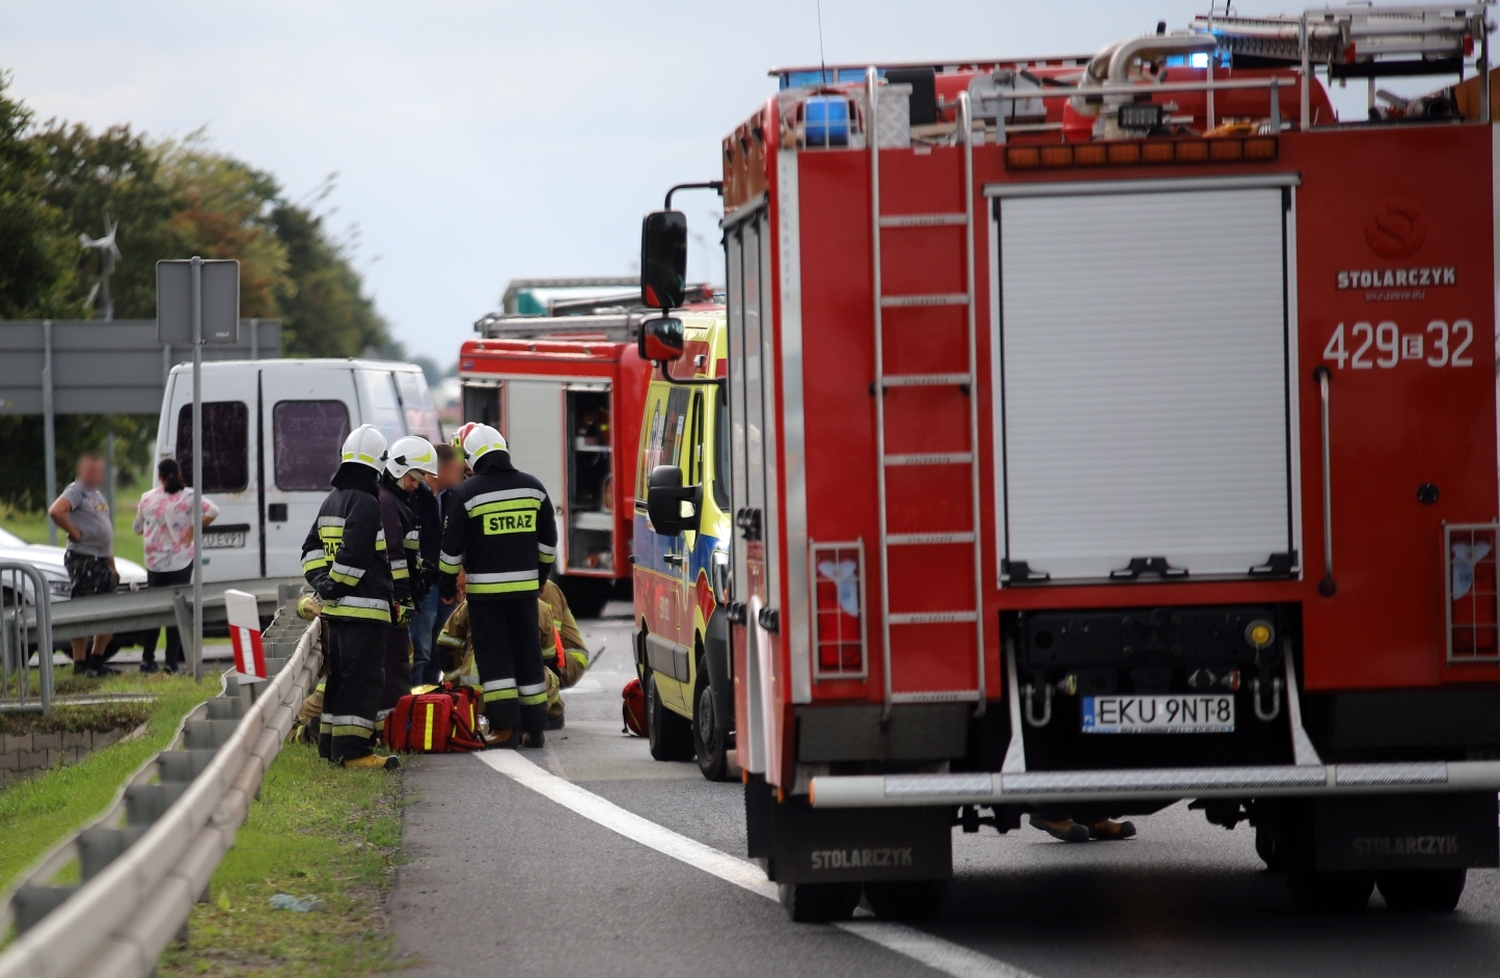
{"points": [[408, 458], [456, 643], [571, 658], [344, 559], [502, 534]]}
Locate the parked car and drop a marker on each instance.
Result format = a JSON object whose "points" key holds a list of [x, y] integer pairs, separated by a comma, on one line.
{"points": [[49, 560]]}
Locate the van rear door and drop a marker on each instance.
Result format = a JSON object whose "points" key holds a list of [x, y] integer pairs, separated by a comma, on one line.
{"points": [[306, 413], [231, 546]]}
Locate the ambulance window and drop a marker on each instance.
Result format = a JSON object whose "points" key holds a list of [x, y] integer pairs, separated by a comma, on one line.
{"points": [[652, 437], [721, 450], [667, 435], [416, 403], [306, 437], [695, 445], [379, 404], [226, 445]]}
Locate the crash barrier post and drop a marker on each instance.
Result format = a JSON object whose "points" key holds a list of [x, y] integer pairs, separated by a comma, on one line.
{"points": [[180, 812], [23, 587]]}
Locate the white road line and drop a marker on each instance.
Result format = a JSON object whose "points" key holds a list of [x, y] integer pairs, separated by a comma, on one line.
{"points": [[934, 952]]}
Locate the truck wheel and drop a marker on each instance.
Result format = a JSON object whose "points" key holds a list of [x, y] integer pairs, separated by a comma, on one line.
{"points": [[819, 903], [906, 899], [1269, 848], [670, 736], [708, 740], [1422, 890]]}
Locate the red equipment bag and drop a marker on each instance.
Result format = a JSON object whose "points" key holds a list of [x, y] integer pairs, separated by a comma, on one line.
{"points": [[444, 721], [634, 708]]}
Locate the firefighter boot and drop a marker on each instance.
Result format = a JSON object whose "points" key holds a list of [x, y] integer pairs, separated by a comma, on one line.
{"points": [[387, 763], [1109, 830], [535, 739], [500, 738], [1061, 829]]}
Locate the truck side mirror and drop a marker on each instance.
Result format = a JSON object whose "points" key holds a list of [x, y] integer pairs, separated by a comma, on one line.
{"points": [[664, 259], [671, 506], [660, 339]]}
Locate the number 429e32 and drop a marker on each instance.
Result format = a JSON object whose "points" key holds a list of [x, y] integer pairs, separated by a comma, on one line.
{"points": [[1384, 345]]}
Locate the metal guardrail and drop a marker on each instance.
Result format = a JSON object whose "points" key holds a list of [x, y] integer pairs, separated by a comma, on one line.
{"points": [[181, 811], [25, 623], [130, 611]]}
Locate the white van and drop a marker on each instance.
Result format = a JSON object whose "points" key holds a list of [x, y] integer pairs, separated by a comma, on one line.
{"points": [[272, 430]]}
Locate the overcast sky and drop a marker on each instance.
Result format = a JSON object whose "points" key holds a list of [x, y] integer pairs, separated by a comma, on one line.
{"points": [[478, 142]]}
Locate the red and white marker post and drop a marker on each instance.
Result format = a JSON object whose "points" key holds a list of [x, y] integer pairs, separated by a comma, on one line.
{"points": [[244, 632]]}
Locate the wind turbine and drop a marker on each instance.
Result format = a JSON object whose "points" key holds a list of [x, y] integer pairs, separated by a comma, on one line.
{"points": [[110, 253]]}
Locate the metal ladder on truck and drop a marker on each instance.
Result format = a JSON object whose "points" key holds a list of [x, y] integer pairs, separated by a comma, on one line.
{"points": [[962, 384]]}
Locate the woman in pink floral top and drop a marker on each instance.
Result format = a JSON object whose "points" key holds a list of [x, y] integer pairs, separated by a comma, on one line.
{"points": [[164, 517]]}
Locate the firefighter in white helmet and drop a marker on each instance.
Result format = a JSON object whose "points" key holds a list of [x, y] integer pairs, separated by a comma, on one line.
{"points": [[408, 458], [501, 532], [345, 560]]}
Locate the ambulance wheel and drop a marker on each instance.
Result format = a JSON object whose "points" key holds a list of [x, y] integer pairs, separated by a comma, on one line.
{"points": [[819, 903], [1422, 890], [906, 899], [708, 739], [670, 736]]}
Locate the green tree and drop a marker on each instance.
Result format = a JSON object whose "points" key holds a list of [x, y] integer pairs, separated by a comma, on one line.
{"points": [[326, 313], [38, 258], [171, 199]]}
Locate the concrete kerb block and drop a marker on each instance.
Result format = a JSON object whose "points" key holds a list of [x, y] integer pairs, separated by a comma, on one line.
{"points": [[77, 738], [46, 741]]}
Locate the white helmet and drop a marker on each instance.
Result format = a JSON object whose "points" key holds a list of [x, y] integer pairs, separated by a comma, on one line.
{"points": [[481, 440], [411, 452], [366, 446]]}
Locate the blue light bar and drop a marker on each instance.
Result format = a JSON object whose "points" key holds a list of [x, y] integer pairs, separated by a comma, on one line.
{"points": [[825, 120]]}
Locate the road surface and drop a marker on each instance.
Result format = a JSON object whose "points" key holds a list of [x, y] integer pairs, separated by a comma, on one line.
{"points": [[600, 861]]}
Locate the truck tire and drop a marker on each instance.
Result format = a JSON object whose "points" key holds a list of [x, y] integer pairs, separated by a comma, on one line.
{"points": [[1269, 848], [1422, 890], [670, 736], [819, 903], [906, 899], [708, 739]]}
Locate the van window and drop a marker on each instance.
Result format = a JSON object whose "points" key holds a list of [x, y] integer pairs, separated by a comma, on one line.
{"points": [[306, 437], [226, 446], [379, 404], [416, 402]]}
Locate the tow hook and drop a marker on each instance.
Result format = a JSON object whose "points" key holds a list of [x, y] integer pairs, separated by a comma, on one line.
{"points": [[1275, 709], [1038, 694]]}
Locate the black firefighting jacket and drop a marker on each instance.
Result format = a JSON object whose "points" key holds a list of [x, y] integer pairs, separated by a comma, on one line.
{"points": [[399, 521], [344, 555], [501, 531]]}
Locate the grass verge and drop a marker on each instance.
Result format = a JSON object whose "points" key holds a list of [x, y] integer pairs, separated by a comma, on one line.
{"points": [[315, 831], [39, 811]]}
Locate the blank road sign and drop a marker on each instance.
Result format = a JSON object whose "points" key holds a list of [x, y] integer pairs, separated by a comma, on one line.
{"points": [[221, 301]]}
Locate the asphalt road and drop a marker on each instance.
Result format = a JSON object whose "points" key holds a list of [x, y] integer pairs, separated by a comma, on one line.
{"points": [[502, 880]]}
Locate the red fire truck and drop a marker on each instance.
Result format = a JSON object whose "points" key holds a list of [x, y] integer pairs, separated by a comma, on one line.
{"points": [[567, 389], [1108, 432]]}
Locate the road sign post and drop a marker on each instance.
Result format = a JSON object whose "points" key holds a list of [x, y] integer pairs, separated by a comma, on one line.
{"points": [[211, 290]]}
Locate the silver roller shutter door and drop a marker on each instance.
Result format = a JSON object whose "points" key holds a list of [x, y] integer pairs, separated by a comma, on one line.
{"points": [[1144, 359]]}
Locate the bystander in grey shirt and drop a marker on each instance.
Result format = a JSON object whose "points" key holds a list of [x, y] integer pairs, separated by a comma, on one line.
{"points": [[91, 515]]}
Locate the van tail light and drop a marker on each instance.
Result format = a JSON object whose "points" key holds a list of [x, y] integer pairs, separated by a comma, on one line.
{"points": [[1473, 605], [838, 585]]}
